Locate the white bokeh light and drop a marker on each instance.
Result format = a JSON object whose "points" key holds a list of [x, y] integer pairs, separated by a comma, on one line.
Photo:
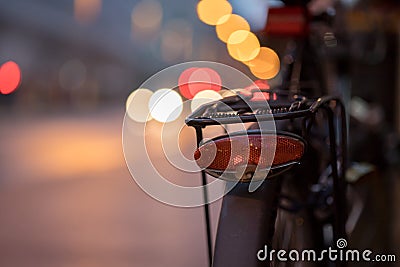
{"points": [[137, 105], [204, 97], [227, 93], [165, 105]]}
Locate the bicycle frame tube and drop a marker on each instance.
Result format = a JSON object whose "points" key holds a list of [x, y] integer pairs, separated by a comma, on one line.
{"points": [[246, 224]]}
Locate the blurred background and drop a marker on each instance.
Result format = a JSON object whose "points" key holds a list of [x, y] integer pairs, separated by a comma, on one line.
{"points": [[66, 196]]}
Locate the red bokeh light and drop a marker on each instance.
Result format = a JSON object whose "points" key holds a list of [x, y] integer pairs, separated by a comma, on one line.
{"points": [[259, 85], [10, 77], [195, 80], [183, 82]]}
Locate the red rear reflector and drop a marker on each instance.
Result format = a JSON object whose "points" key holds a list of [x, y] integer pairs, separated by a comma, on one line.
{"points": [[230, 153]]}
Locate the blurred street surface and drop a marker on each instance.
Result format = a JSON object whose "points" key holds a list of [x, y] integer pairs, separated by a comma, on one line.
{"points": [[60, 207]]}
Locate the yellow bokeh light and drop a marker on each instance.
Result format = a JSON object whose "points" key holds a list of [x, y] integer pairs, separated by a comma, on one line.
{"points": [[211, 11], [204, 97], [137, 105], [165, 105], [243, 45], [266, 65], [231, 24]]}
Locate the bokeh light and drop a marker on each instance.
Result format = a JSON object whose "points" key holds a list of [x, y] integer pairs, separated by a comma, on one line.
{"points": [[147, 16], [204, 79], [258, 84], [137, 105], [266, 65], [10, 77], [262, 84], [204, 97], [231, 24], [227, 93], [183, 82], [165, 105], [243, 45], [195, 80], [87, 11], [257, 95], [211, 11]]}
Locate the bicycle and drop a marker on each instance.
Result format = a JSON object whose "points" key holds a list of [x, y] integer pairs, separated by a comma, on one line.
{"points": [[304, 191]]}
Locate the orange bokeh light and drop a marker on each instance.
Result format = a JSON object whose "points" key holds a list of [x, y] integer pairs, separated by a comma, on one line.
{"points": [[211, 11], [231, 24], [265, 65], [243, 45]]}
